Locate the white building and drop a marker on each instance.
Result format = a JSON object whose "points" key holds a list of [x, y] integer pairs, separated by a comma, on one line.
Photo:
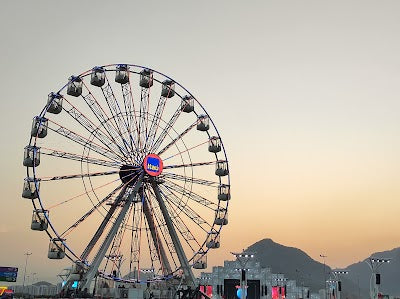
{"points": [[42, 290], [224, 281]]}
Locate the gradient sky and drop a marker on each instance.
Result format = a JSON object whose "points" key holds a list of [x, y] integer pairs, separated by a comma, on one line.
{"points": [[305, 94]]}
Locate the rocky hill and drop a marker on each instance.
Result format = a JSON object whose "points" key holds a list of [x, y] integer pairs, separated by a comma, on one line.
{"points": [[298, 265]]}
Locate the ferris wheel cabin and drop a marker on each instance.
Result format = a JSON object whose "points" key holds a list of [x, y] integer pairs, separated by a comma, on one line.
{"points": [[98, 76], [224, 192], [221, 216], [31, 156], [56, 249], [187, 104], [54, 103], [168, 89], [214, 144], [221, 168], [74, 86], [213, 240], [146, 78], [39, 127], [203, 123], [39, 220], [200, 261], [122, 74], [29, 190]]}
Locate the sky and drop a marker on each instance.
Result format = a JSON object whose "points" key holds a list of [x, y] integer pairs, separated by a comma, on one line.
{"points": [[305, 95]]}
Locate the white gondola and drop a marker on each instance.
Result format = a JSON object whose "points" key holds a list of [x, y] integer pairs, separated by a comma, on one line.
{"points": [[200, 261], [221, 168], [221, 217], [31, 156], [39, 127], [214, 144], [98, 76], [56, 249], [74, 86], [29, 190], [224, 192], [146, 78], [54, 103], [122, 74], [39, 220], [168, 89], [213, 240], [203, 123], [187, 104]]}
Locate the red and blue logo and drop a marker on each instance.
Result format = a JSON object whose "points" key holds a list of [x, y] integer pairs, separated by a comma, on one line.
{"points": [[153, 165]]}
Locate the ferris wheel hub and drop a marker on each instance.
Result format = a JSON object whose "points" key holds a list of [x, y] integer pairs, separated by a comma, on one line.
{"points": [[129, 174], [153, 165]]}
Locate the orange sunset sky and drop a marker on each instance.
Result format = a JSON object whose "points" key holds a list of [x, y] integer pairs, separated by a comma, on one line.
{"points": [[305, 95]]}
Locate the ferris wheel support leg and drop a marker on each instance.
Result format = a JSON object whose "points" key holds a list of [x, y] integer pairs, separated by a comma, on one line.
{"points": [[189, 277], [102, 226], [90, 274], [156, 239]]}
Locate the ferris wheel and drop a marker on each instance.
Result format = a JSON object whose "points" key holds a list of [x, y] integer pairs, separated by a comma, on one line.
{"points": [[126, 169]]}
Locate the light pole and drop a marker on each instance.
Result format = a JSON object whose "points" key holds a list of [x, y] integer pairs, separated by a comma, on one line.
{"points": [[337, 274], [375, 264], [27, 254], [243, 258], [323, 257]]}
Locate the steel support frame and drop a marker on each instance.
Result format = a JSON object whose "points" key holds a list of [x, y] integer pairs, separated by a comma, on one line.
{"points": [[187, 271], [93, 268]]}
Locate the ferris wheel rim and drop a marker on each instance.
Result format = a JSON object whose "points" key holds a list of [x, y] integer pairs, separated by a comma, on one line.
{"points": [[43, 113]]}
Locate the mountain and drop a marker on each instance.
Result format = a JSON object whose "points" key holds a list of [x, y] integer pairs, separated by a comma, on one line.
{"points": [[293, 262], [298, 265], [390, 273]]}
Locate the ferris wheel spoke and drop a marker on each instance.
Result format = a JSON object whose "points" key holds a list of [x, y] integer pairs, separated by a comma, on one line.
{"points": [[82, 194], [130, 109], [191, 195], [174, 200], [151, 221], [107, 218], [186, 150], [144, 115], [155, 123], [104, 119], [163, 228], [116, 112], [89, 126], [153, 253], [114, 252], [183, 178], [79, 158], [190, 165], [166, 130], [187, 130], [153, 250], [174, 236], [185, 232], [129, 198], [87, 214], [74, 176], [136, 235], [84, 142], [149, 232]]}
